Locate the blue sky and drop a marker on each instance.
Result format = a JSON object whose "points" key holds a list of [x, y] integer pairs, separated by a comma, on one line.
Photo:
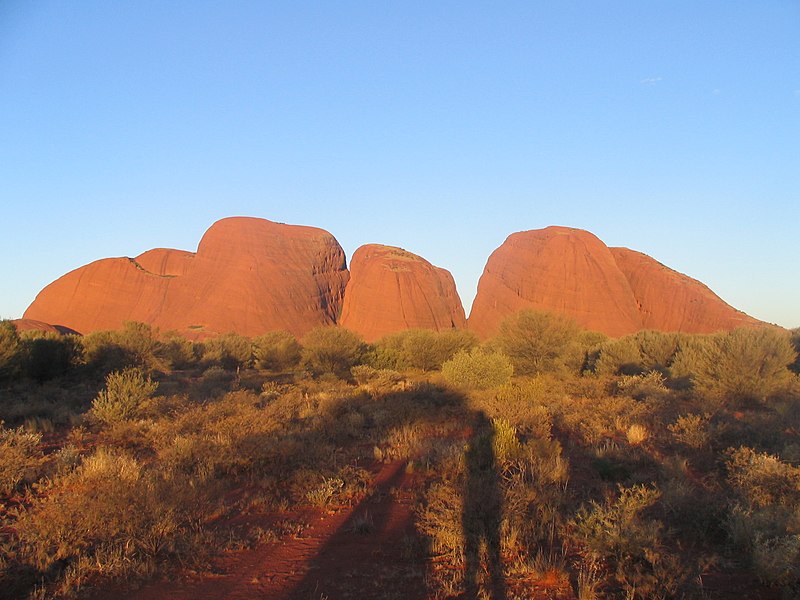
{"points": [[669, 127]]}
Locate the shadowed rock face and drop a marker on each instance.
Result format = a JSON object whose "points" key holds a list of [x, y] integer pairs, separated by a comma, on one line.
{"points": [[248, 275], [671, 301], [614, 291], [391, 290]]}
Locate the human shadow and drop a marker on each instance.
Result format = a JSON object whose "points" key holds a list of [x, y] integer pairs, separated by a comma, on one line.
{"points": [[480, 514], [482, 511]]}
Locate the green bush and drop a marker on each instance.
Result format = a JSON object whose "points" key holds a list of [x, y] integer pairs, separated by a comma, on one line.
{"points": [[229, 350], [50, 355], [478, 370], [538, 342], [638, 353], [123, 396], [619, 357], [741, 366], [176, 352], [276, 351], [9, 349], [333, 350], [423, 349], [618, 531]]}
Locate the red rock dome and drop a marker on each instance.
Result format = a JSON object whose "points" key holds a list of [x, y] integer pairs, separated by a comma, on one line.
{"points": [[612, 290], [391, 289], [248, 275], [558, 269]]}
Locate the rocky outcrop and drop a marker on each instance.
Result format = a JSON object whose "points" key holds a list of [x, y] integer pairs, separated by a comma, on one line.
{"points": [[557, 269], [252, 276], [671, 301], [248, 275], [614, 291], [391, 289], [31, 325]]}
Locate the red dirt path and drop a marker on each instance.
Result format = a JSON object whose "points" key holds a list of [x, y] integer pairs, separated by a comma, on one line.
{"points": [[329, 559]]}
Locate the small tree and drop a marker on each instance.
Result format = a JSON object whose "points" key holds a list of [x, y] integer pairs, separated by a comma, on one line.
{"points": [[332, 350], [123, 396], [537, 341], [276, 351]]}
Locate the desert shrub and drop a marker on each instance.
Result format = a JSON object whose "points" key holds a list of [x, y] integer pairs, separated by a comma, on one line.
{"points": [[122, 397], [9, 349], [378, 381], [647, 385], [537, 342], [477, 370], [229, 350], [20, 457], [763, 479], [529, 404], [50, 355], [449, 342], [776, 561], [743, 365], [109, 515], [692, 430], [657, 349], [638, 353], [141, 341], [618, 531], [176, 351], [276, 351], [619, 357], [507, 447], [764, 519], [423, 349], [795, 339], [333, 350]]}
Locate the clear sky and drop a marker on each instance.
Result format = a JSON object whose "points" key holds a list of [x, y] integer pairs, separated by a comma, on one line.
{"points": [[668, 126]]}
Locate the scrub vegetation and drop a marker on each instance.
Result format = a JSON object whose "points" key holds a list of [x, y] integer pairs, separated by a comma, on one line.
{"points": [[658, 465]]}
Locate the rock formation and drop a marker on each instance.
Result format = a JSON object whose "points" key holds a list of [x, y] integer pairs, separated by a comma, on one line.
{"points": [[391, 290], [248, 275], [671, 301], [614, 291], [31, 325], [252, 276], [556, 269]]}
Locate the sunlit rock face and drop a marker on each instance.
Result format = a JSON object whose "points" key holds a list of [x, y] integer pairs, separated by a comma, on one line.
{"points": [[671, 301], [612, 290], [248, 275], [252, 276], [391, 289]]}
